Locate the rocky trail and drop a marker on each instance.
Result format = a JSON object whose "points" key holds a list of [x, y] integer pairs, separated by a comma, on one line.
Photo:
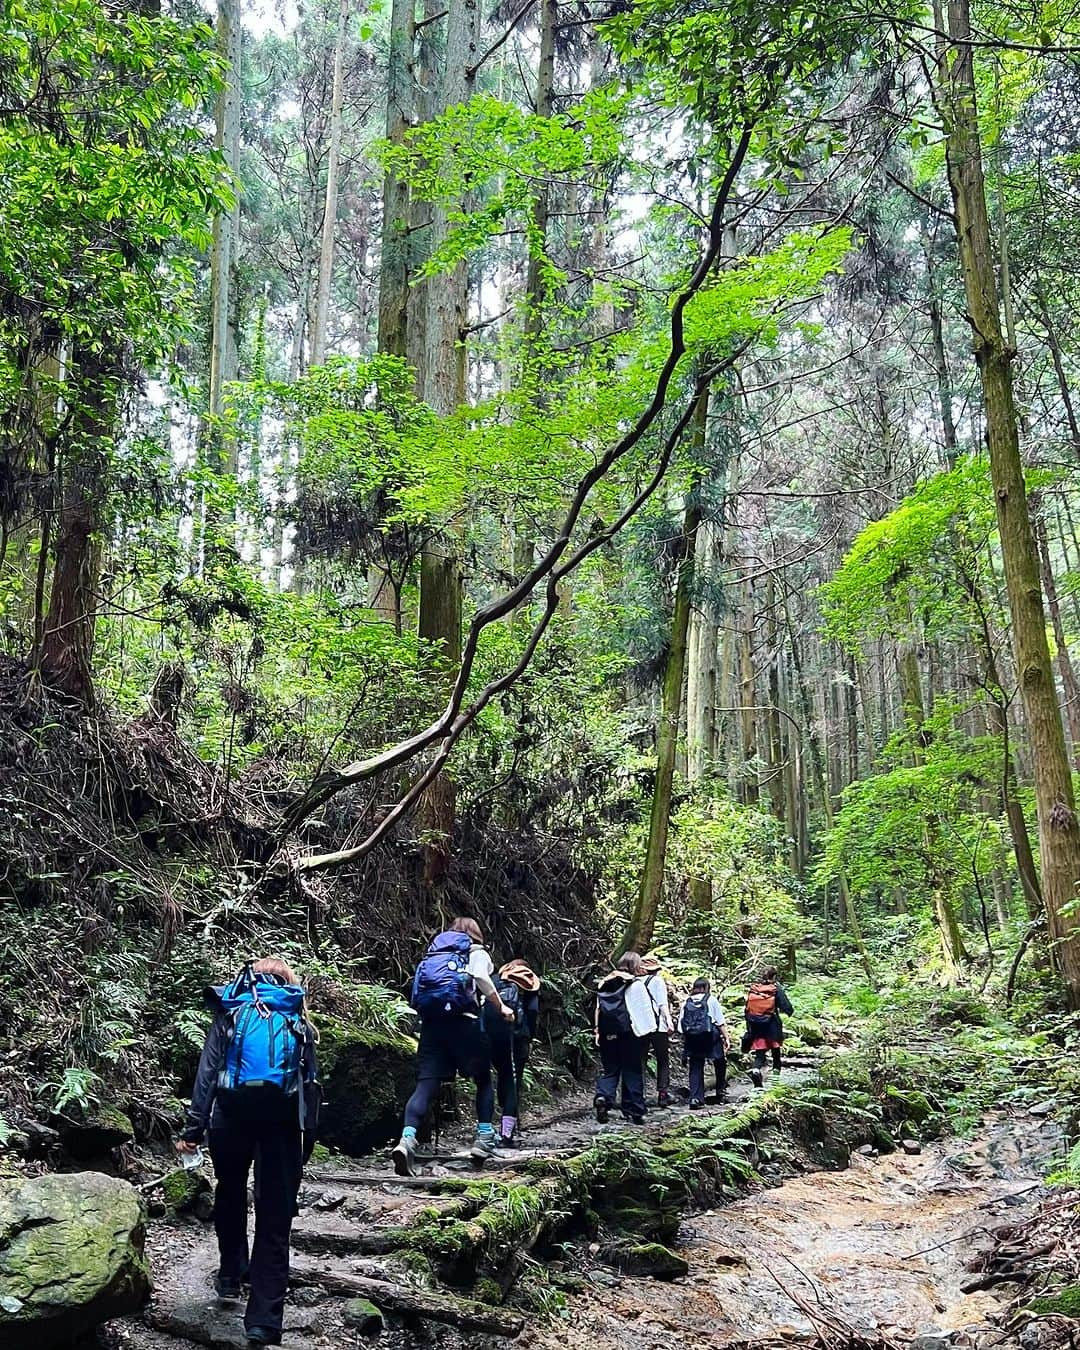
{"points": [[634, 1237]]}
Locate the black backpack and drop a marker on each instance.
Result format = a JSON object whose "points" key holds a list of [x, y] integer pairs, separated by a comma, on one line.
{"points": [[695, 1018], [511, 997], [614, 1015]]}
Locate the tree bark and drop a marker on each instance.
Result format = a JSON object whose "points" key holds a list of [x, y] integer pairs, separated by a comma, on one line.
{"points": [[66, 653], [330, 204], [1069, 685], [1059, 831], [443, 389]]}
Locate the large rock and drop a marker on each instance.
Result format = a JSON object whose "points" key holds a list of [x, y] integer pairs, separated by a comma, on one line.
{"points": [[367, 1079], [71, 1256], [93, 1131]]}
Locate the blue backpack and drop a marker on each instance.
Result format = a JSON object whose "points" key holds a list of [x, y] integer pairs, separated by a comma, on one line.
{"points": [[267, 1037], [442, 985]]}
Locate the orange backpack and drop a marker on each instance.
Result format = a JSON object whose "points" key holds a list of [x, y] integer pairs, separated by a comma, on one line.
{"points": [[761, 1001]]}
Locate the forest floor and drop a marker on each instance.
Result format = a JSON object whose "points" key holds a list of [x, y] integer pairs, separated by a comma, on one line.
{"points": [[872, 1255]]}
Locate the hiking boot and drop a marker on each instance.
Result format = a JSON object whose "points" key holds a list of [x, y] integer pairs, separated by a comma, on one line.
{"points": [[404, 1156], [483, 1148], [507, 1141], [634, 1120], [228, 1290], [262, 1336], [600, 1106], [757, 1077], [695, 1105], [663, 1101]]}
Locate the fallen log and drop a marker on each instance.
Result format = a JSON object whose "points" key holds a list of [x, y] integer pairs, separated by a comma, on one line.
{"points": [[399, 1298]]}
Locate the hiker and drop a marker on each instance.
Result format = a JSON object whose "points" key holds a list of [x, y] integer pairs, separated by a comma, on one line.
{"points": [[257, 1094], [766, 999], [705, 1036], [519, 989], [624, 1016], [450, 984], [659, 1041]]}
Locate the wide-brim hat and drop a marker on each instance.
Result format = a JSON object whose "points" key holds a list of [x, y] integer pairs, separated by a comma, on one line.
{"points": [[650, 965], [517, 972]]}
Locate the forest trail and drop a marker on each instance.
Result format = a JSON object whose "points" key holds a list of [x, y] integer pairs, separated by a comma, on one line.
{"points": [[882, 1245]]}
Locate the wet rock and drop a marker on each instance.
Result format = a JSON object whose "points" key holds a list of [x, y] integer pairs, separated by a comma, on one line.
{"points": [[911, 1146], [307, 1296], [868, 1151], [363, 1316], [93, 1131], [1042, 1109], [329, 1200], [604, 1278], [71, 1257], [650, 1259], [931, 1340]]}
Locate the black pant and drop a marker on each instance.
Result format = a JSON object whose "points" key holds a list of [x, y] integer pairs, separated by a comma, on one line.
{"points": [[509, 1055], [620, 1058], [272, 1143], [660, 1044], [456, 1045], [759, 1058], [696, 1074]]}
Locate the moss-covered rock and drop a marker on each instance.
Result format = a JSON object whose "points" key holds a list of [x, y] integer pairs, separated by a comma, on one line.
{"points": [[651, 1259], [94, 1130], [367, 1080], [363, 1316], [71, 1256], [182, 1188]]}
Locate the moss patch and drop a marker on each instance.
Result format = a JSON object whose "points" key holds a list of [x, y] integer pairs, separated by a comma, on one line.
{"points": [[367, 1078]]}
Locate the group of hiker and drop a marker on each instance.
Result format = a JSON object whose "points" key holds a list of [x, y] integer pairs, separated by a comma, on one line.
{"points": [[634, 1021], [256, 1096]]}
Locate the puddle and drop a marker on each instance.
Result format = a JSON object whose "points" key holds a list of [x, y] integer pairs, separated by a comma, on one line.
{"points": [[883, 1245]]}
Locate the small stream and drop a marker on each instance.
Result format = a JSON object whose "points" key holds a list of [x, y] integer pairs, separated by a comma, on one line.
{"points": [[884, 1245]]}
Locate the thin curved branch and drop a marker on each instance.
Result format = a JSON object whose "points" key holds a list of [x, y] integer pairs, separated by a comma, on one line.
{"points": [[327, 785]]}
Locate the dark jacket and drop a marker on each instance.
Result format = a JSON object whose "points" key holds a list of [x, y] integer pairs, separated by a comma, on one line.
{"points": [[204, 1093], [773, 1029]]}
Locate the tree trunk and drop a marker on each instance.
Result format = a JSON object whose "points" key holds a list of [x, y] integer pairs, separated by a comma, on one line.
{"points": [[443, 389], [1069, 685], [1059, 831], [223, 337], [67, 642], [330, 205], [639, 934]]}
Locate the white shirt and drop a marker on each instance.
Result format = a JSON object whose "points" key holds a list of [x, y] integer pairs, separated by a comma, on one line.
{"points": [[659, 995], [716, 1013], [482, 968]]}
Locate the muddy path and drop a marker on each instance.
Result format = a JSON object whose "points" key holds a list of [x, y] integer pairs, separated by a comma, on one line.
{"points": [[883, 1243], [883, 1247]]}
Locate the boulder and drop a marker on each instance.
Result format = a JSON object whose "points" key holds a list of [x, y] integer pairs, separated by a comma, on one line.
{"points": [[71, 1256], [93, 1131], [367, 1079]]}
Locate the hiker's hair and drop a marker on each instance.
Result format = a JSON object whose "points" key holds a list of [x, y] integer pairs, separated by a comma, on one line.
{"points": [[630, 962], [281, 970], [701, 986], [768, 975], [471, 928]]}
